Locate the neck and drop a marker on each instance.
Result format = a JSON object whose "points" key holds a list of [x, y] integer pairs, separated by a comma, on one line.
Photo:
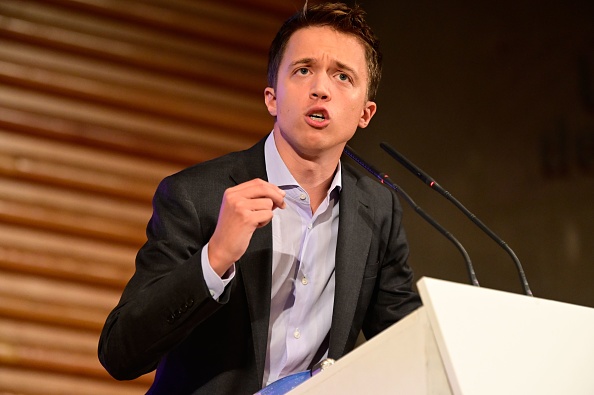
{"points": [[315, 178], [313, 172]]}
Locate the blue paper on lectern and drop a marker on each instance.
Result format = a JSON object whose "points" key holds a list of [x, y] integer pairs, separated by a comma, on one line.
{"points": [[285, 384]]}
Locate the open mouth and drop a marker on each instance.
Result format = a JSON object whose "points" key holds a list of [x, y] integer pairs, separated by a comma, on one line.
{"points": [[317, 117]]}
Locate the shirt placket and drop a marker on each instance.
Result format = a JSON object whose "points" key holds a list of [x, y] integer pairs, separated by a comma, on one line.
{"points": [[299, 329]]}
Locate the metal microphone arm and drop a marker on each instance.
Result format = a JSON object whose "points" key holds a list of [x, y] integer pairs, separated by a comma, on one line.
{"points": [[438, 188], [384, 179]]}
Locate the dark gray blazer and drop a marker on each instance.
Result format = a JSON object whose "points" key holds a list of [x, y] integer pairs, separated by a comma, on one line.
{"points": [[167, 319]]}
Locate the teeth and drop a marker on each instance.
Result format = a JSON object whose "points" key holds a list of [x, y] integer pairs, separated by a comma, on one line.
{"points": [[319, 117]]}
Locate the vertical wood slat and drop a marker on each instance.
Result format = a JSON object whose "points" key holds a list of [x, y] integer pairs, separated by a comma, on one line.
{"points": [[98, 101]]}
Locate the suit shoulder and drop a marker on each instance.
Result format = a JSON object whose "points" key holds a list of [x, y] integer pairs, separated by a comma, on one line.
{"points": [[368, 184]]}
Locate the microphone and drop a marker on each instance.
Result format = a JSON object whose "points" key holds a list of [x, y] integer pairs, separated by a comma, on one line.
{"points": [[384, 179], [436, 187]]}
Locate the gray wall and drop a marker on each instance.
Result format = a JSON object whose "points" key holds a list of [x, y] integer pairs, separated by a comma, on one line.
{"points": [[496, 102]]}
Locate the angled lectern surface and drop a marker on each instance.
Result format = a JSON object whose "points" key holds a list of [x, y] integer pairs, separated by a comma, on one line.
{"points": [[472, 341]]}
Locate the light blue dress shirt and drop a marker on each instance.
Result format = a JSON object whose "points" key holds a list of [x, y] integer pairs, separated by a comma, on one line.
{"points": [[302, 294]]}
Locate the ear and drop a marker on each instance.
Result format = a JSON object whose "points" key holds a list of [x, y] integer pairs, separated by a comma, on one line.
{"points": [[367, 114], [270, 100]]}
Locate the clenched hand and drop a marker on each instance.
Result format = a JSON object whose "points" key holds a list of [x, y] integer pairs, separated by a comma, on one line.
{"points": [[245, 208]]}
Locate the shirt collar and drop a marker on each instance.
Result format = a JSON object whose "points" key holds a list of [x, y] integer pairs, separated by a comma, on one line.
{"points": [[279, 174]]}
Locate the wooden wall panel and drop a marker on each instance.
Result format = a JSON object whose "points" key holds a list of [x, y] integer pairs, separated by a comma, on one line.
{"points": [[99, 100]]}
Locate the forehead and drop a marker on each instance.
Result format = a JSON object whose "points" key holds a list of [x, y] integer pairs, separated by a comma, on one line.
{"points": [[325, 43]]}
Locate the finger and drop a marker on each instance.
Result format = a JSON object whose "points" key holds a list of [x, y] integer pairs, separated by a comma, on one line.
{"points": [[262, 218], [259, 204], [258, 188], [249, 212]]}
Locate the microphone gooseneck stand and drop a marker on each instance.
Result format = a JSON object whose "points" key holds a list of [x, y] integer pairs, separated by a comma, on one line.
{"points": [[385, 180], [438, 188]]}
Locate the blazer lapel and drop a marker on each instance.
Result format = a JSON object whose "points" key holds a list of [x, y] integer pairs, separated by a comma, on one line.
{"points": [[352, 248], [255, 266]]}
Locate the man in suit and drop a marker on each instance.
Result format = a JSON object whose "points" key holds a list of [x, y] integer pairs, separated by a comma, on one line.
{"points": [[261, 263]]}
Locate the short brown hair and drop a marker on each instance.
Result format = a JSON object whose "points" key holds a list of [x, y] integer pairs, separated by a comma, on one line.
{"points": [[338, 16]]}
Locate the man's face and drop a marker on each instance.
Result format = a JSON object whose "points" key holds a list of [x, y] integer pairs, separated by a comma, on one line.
{"points": [[321, 93]]}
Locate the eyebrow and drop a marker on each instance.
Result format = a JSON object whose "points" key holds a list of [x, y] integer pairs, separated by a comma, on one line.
{"points": [[302, 61], [340, 65], [343, 66]]}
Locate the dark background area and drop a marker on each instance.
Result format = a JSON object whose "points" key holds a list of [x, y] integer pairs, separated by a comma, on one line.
{"points": [[496, 102]]}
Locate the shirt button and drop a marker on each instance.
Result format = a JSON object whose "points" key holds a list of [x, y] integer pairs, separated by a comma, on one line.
{"points": [[304, 281], [302, 196], [297, 334], [309, 226]]}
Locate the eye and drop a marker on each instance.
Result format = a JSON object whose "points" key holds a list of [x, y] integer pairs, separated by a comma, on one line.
{"points": [[343, 77], [303, 71]]}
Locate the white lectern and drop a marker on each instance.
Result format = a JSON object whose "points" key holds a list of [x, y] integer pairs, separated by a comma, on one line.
{"points": [[472, 341]]}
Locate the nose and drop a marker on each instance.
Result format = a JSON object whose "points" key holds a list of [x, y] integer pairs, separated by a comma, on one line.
{"points": [[315, 95], [319, 89]]}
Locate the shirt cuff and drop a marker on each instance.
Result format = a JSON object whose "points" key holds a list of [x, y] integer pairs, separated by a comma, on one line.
{"points": [[216, 285]]}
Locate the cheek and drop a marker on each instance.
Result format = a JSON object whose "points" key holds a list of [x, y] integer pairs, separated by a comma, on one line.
{"points": [[355, 113], [286, 106], [284, 111]]}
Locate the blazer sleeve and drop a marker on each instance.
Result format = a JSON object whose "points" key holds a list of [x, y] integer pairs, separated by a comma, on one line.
{"points": [[167, 296]]}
